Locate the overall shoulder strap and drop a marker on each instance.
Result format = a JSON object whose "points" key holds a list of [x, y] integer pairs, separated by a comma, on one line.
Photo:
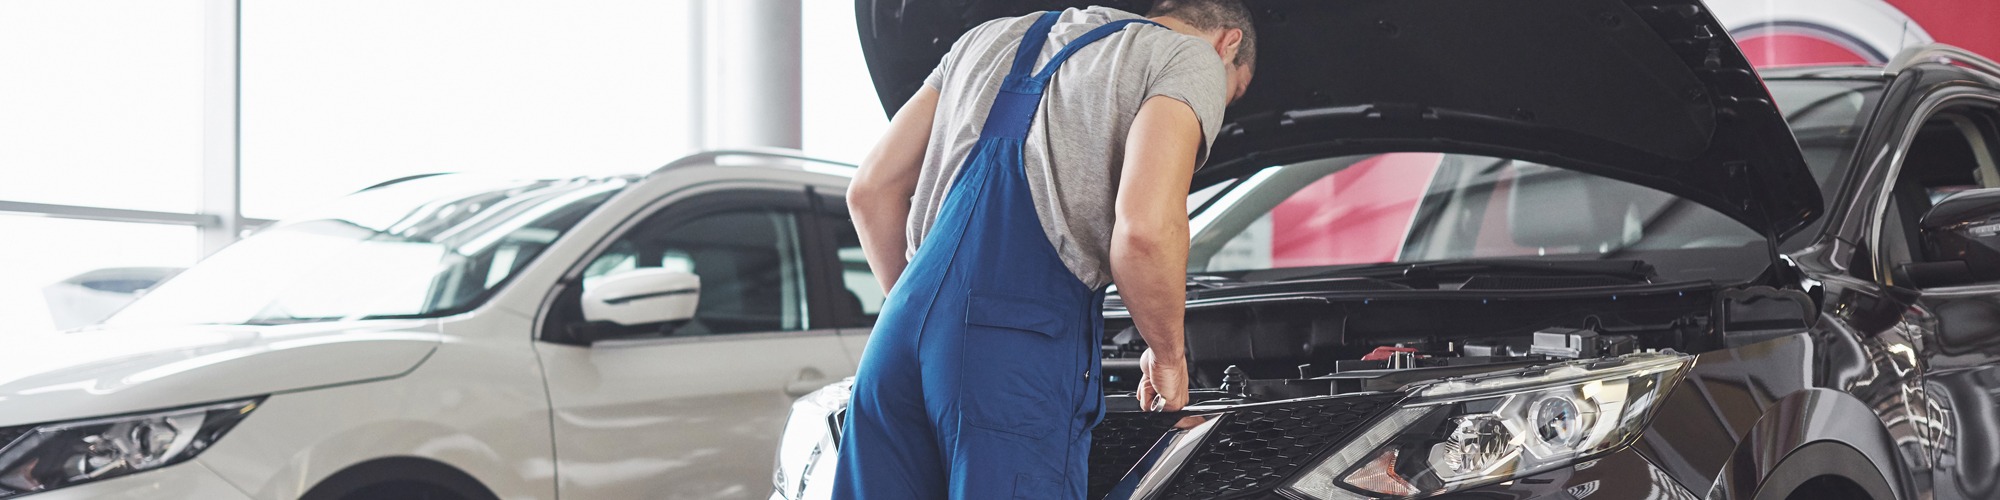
{"points": [[1031, 45], [1093, 36]]}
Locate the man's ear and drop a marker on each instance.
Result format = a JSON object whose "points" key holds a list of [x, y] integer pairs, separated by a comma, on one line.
{"points": [[1227, 44]]}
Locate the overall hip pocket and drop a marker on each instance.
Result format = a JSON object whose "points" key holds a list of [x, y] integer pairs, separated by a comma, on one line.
{"points": [[1018, 372]]}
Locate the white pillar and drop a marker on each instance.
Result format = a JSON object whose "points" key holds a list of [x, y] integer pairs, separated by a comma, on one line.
{"points": [[221, 174], [698, 74], [750, 74]]}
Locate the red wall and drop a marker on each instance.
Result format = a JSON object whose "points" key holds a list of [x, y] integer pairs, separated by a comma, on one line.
{"points": [[1355, 216], [1966, 23]]}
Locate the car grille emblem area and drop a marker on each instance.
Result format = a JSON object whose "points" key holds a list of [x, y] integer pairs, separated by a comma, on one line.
{"points": [[1119, 442], [1258, 447], [1254, 448]]}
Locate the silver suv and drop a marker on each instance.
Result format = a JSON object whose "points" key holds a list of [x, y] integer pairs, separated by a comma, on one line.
{"points": [[456, 336]]}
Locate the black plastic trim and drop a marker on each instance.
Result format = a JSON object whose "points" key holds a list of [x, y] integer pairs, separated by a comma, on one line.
{"points": [[1821, 459], [392, 470]]}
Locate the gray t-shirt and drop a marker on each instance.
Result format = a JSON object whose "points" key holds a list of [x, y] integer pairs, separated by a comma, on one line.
{"points": [[1076, 147]]}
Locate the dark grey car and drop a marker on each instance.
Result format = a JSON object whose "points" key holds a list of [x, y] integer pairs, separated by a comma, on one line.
{"points": [[1569, 249]]}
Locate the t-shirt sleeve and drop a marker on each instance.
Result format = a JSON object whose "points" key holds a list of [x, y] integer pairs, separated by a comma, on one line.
{"points": [[1193, 74]]}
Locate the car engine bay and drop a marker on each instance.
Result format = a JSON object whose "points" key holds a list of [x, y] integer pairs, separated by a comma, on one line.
{"points": [[1263, 343]]}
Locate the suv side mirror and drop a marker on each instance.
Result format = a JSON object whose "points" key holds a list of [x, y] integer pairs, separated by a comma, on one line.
{"points": [[643, 297], [1961, 241]]}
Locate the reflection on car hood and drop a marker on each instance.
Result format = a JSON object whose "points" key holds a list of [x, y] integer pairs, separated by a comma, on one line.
{"points": [[1653, 93], [52, 377]]}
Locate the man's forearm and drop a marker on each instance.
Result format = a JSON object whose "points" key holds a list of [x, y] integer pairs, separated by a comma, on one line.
{"points": [[1149, 242], [879, 197], [880, 224], [1150, 267]]}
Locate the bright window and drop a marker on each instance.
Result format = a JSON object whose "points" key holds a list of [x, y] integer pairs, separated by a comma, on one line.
{"points": [[338, 96], [101, 102]]}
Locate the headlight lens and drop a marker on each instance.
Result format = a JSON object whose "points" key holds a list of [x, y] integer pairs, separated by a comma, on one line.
{"points": [[50, 456], [1465, 433], [811, 441]]}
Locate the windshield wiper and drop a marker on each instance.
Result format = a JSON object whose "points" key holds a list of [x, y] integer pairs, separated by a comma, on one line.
{"points": [[1629, 269]]}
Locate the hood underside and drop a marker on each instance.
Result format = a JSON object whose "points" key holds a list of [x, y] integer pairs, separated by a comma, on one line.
{"points": [[1647, 91]]}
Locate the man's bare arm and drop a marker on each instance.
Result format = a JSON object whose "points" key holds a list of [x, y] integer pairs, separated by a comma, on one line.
{"points": [[1149, 241], [879, 197]]}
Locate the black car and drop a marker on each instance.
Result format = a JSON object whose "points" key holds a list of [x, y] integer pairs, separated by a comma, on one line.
{"points": [[1554, 249]]}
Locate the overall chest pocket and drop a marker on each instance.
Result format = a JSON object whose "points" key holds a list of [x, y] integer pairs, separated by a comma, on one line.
{"points": [[1020, 371]]}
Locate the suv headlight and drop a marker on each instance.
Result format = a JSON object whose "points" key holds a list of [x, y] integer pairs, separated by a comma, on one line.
{"points": [[49, 456], [1465, 433], [811, 442]]}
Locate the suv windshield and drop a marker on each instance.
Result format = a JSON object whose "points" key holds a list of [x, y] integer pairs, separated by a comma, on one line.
{"points": [[1429, 207], [1826, 116], [422, 247], [1426, 207]]}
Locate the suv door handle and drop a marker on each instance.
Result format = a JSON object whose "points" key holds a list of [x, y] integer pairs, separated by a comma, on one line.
{"points": [[808, 380]]}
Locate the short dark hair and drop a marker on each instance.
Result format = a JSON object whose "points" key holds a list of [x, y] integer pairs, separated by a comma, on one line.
{"points": [[1209, 15]]}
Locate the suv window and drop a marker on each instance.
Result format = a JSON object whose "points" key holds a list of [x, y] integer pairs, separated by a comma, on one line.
{"points": [[752, 274], [1953, 151], [1827, 117], [862, 295]]}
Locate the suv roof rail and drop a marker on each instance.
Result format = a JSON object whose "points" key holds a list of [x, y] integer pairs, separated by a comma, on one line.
{"points": [[710, 156], [1941, 53], [403, 179]]}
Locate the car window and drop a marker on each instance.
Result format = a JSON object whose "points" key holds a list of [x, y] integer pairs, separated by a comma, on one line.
{"points": [[749, 262], [861, 294], [1827, 117], [1953, 151], [425, 247]]}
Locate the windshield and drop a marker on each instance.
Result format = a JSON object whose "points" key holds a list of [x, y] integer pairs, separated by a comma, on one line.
{"points": [[1827, 117], [1431, 207], [1427, 207], [423, 247]]}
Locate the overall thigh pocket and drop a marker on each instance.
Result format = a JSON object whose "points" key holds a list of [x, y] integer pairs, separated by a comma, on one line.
{"points": [[1018, 369]]}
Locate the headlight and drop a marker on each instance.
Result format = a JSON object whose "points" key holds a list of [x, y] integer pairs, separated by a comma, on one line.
{"points": [[811, 442], [1465, 433], [49, 456]]}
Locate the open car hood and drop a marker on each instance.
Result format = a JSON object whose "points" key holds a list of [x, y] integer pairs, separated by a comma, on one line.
{"points": [[1651, 92]]}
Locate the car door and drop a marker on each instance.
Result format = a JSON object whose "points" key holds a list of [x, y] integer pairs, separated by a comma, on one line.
{"points": [[694, 410], [1950, 146]]}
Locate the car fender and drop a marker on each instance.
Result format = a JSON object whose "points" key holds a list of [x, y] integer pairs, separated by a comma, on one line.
{"points": [[276, 460], [477, 405], [1789, 444]]}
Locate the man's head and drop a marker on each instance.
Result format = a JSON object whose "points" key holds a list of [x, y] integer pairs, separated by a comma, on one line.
{"points": [[1225, 24]]}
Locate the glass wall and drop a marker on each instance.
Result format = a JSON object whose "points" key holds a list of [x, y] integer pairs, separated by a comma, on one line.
{"points": [[104, 107], [100, 105], [338, 96], [101, 102], [842, 116]]}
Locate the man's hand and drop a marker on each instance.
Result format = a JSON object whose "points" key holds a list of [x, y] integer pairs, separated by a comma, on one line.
{"points": [[1163, 383]]}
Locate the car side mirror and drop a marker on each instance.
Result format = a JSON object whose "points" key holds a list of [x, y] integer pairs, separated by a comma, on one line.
{"points": [[651, 298], [1961, 241]]}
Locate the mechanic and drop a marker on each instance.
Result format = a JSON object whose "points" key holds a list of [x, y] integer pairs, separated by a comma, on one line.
{"points": [[1004, 197]]}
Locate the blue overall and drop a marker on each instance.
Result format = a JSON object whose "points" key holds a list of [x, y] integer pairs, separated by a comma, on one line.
{"points": [[981, 378]]}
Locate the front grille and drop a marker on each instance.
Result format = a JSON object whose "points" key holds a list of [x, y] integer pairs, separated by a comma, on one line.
{"points": [[1257, 447], [1119, 442]]}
